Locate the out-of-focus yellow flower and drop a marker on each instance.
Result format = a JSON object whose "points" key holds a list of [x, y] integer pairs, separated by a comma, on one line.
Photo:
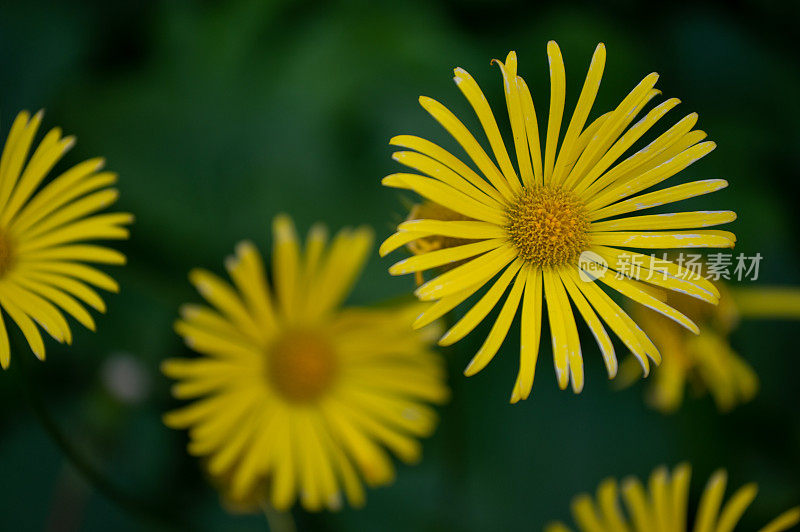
{"points": [[707, 361], [525, 232], [294, 396], [43, 235], [433, 211], [663, 506]]}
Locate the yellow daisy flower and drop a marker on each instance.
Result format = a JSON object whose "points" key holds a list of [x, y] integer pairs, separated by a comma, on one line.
{"points": [[708, 361], [293, 395], [539, 227], [664, 508], [43, 233]]}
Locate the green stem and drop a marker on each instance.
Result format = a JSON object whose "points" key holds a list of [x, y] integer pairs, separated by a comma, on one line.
{"points": [[82, 465], [454, 425], [277, 521]]}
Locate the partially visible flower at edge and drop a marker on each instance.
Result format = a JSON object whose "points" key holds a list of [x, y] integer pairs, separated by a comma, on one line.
{"points": [[292, 395], [663, 506], [43, 235], [707, 361], [525, 235]]}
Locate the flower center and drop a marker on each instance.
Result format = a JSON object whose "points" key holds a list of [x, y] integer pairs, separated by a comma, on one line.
{"points": [[548, 226], [6, 254], [301, 366]]}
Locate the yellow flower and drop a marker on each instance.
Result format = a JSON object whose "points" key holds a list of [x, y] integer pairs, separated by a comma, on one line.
{"points": [[539, 228], [43, 233], [664, 508], [707, 360], [292, 394]]}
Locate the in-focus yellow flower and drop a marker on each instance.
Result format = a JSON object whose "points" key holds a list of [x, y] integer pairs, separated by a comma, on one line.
{"points": [[663, 506], [43, 230], [708, 361], [292, 394], [531, 228]]}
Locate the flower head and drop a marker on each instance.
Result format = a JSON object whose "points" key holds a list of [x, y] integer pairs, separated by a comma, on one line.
{"points": [[708, 361], [533, 232], [663, 506], [43, 235], [293, 395]]}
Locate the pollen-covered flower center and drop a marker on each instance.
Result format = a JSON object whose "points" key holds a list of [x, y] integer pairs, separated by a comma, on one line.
{"points": [[301, 366], [6, 253], [548, 226]]}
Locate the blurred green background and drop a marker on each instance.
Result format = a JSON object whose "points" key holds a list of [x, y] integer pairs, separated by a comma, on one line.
{"points": [[217, 116]]}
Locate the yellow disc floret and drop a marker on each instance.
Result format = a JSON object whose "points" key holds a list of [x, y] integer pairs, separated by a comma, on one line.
{"points": [[301, 366], [548, 226]]}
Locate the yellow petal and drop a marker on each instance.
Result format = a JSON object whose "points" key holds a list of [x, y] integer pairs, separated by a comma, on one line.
{"points": [[439, 171], [709, 238], [481, 309], [710, 502], [561, 345], [462, 135], [434, 151], [585, 101], [735, 507], [557, 97], [499, 330], [443, 257], [599, 332], [475, 272], [447, 196], [530, 334], [514, 106], [477, 100], [660, 197], [785, 521], [454, 229]]}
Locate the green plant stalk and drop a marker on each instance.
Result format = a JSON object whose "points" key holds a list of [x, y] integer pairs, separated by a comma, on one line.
{"points": [[90, 473], [277, 521]]}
